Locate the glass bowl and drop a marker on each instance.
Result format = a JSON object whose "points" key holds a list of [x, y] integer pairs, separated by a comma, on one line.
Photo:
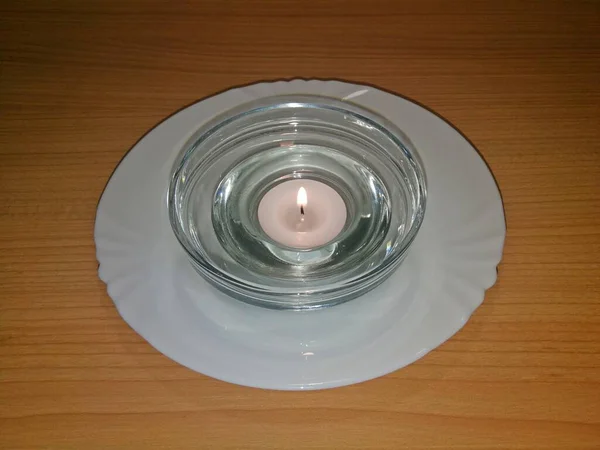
{"points": [[227, 167]]}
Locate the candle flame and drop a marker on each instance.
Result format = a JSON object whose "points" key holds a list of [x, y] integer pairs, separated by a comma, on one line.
{"points": [[302, 198]]}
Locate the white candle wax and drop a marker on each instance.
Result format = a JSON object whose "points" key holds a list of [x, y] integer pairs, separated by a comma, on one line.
{"points": [[302, 213]]}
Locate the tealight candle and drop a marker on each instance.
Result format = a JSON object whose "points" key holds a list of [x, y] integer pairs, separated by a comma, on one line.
{"points": [[302, 213]]}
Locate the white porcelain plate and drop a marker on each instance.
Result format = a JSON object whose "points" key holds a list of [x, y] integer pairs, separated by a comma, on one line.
{"points": [[450, 265]]}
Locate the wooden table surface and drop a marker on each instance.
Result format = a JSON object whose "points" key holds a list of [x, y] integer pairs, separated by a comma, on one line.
{"points": [[81, 81]]}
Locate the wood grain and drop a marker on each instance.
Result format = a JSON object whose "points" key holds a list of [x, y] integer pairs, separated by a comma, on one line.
{"points": [[80, 82]]}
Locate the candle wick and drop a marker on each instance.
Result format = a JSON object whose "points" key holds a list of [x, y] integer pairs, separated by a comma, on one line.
{"points": [[302, 209]]}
